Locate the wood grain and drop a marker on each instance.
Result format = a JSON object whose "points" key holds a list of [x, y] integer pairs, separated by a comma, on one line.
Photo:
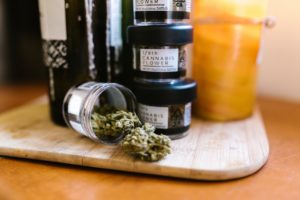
{"points": [[212, 151], [279, 179], [15, 95]]}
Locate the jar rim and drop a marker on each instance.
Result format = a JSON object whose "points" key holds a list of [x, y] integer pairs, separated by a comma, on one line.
{"points": [[90, 104], [161, 34], [179, 91]]}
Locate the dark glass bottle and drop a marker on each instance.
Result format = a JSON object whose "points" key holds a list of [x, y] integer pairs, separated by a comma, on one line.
{"points": [[82, 41], [127, 20]]}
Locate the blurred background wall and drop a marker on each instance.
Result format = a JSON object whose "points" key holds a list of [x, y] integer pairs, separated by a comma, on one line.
{"points": [[280, 70], [2, 61], [21, 57]]}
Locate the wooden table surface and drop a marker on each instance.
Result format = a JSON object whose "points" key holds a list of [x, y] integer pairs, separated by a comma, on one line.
{"points": [[279, 179]]}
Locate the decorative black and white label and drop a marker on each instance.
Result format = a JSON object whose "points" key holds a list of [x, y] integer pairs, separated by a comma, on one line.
{"points": [[55, 53], [159, 60], [54, 32], [163, 5]]}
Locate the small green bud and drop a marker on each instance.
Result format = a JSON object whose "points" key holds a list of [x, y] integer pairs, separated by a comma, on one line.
{"points": [[140, 139], [146, 145]]}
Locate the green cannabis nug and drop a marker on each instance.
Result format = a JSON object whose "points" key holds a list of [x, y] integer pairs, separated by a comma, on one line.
{"points": [[140, 139], [108, 121], [144, 144]]}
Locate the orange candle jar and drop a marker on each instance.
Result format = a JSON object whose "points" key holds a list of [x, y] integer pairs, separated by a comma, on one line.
{"points": [[227, 37]]}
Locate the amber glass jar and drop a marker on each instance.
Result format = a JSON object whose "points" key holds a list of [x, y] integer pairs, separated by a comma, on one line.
{"points": [[227, 41]]}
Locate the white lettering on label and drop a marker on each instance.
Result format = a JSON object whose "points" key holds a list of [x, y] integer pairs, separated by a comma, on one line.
{"points": [[159, 60], [158, 116], [163, 5]]}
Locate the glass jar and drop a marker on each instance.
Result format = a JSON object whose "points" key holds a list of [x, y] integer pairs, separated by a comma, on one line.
{"points": [[80, 102], [224, 9], [227, 53], [160, 51], [166, 105], [162, 11]]}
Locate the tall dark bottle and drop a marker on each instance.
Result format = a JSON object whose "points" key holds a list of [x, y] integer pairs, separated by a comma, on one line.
{"points": [[126, 75], [82, 41]]}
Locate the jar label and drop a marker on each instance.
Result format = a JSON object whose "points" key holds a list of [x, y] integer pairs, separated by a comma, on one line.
{"points": [[116, 23], [159, 60], [173, 116], [187, 114], [54, 32], [163, 5], [53, 19], [157, 116], [179, 115]]}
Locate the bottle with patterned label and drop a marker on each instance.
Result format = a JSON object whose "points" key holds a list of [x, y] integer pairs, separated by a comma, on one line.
{"points": [[82, 41]]}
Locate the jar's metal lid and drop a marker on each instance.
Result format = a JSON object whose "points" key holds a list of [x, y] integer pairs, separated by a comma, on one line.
{"points": [[180, 91], [161, 34]]}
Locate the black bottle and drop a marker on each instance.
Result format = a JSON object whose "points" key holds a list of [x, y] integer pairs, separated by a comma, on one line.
{"points": [[82, 41]]}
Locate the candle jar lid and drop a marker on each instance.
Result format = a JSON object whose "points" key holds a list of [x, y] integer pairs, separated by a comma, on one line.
{"points": [[161, 34], [81, 101], [175, 91]]}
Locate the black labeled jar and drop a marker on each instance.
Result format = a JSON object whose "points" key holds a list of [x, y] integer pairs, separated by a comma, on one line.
{"points": [[160, 51], [161, 11], [166, 105]]}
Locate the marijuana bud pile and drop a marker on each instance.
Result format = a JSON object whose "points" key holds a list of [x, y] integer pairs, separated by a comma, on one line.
{"points": [[144, 144], [115, 123], [140, 139]]}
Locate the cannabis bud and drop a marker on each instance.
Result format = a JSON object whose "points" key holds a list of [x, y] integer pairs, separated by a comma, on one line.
{"points": [[114, 124], [140, 139], [144, 144]]}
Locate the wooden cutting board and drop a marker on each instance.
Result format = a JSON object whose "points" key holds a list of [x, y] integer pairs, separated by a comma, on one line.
{"points": [[211, 151]]}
